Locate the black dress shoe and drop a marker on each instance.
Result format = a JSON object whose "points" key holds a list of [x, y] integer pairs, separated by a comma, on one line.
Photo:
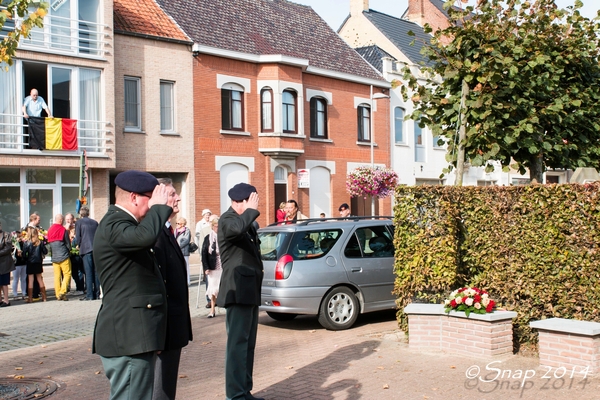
{"points": [[85, 299], [208, 305], [250, 397]]}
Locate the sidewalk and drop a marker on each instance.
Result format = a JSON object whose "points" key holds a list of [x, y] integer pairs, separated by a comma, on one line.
{"points": [[294, 360]]}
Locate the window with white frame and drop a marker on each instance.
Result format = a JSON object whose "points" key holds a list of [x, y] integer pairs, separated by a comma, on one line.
{"points": [[133, 104], [399, 125], [167, 106], [419, 143], [437, 142], [289, 111], [364, 123], [318, 118], [266, 109], [232, 107]]}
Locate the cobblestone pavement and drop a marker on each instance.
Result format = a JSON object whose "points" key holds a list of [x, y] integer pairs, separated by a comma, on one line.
{"points": [[294, 360]]}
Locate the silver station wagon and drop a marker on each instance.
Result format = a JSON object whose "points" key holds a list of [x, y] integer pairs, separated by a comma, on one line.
{"points": [[333, 268]]}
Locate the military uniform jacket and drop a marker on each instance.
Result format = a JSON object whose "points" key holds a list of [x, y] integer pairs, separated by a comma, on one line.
{"points": [[174, 272], [133, 316], [242, 275]]}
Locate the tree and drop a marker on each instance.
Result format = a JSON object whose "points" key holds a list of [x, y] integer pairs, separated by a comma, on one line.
{"points": [[533, 77], [28, 20]]}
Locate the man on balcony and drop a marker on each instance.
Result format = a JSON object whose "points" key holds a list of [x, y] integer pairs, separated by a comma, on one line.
{"points": [[34, 104]]}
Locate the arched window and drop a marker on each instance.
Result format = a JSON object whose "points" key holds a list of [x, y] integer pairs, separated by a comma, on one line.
{"points": [[318, 118], [266, 109], [232, 107], [364, 123], [399, 125], [289, 111]]}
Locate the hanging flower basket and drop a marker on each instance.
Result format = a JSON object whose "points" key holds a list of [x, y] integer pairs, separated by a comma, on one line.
{"points": [[368, 181]]}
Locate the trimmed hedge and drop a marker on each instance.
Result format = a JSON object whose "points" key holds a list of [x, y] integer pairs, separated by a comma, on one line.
{"points": [[535, 248]]}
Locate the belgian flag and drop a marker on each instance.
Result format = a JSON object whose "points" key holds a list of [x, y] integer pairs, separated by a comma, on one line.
{"points": [[52, 133]]}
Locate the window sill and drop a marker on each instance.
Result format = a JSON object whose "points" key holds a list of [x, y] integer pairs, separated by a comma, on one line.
{"points": [[401, 145], [134, 131], [237, 133], [320, 140], [169, 134], [279, 134], [439, 148], [366, 144]]}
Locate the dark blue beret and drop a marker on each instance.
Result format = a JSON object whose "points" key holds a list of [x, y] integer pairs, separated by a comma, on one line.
{"points": [[136, 181], [241, 191]]}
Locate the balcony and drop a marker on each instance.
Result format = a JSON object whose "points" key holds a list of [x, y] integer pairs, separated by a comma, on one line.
{"points": [[91, 137], [65, 36]]}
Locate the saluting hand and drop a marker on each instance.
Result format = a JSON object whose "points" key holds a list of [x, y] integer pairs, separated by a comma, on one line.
{"points": [[252, 201], [160, 195]]}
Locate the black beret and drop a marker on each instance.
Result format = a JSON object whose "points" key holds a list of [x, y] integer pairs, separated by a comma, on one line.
{"points": [[241, 191], [136, 181], [344, 206]]}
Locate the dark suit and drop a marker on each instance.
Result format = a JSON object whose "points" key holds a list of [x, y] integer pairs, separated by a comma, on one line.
{"points": [[239, 293], [85, 230], [132, 321], [179, 323]]}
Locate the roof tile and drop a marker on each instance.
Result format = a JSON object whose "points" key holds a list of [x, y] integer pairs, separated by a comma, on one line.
{"points": [[264, 27], [145, 17]]}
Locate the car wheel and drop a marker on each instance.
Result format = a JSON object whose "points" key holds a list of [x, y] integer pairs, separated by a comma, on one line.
{"points": [[339, 310], [281, 316]]}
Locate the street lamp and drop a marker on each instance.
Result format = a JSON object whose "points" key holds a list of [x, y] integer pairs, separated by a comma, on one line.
{"points": [[371, 136]]}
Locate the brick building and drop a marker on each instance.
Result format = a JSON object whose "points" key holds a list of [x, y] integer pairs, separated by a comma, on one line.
{"points": [[153, 98], [278, 96]]}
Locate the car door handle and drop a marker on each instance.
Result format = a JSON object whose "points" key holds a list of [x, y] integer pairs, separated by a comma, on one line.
{"points": [[356, 270]]}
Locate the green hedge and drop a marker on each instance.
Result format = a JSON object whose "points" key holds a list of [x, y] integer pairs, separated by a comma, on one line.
{"points": [[535, 249]]}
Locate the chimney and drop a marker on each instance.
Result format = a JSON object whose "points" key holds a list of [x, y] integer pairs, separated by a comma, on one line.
{"points": [[358, 6], [416, 11]]}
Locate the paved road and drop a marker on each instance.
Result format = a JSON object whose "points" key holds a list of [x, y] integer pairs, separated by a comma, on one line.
{"points": [[294, 360]]}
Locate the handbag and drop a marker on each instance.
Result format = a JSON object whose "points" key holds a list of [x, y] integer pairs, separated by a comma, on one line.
{"points": [[192, 247]]}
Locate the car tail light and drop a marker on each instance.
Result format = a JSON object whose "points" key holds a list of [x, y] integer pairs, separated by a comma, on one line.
{"points": [[284, 267]]}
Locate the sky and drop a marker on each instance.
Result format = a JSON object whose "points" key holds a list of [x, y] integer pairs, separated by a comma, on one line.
{"points": [[335, 11]]}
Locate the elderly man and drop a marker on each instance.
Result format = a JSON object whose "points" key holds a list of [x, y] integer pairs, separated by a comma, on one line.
{"points": [[203, 226], [34, 104], [344, 210], [131, 326], [179, 323], [240, 287], [60, 246]]}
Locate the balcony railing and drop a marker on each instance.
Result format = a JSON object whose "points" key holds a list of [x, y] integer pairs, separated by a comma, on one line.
{"points": [[62, 35], [14, 137]]}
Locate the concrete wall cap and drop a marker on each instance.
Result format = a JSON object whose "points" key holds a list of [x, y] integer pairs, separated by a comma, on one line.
{"points": [[587, 328], [438, 309]]}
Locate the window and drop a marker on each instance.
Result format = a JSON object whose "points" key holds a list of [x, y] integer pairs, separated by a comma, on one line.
{"points": [[167, 107], [266, 110], [419, 145], [318, 118], [435, 143], [374, 242], [289, 111], [364, 123], [232, 109], [399, 125], [133, 106]]}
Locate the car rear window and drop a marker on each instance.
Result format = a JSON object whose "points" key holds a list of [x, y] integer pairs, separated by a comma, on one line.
{"points": [[271, 244], [313, 244]]}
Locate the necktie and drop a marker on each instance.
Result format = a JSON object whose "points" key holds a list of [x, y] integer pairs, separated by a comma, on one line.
{"points": [[171, 229]]}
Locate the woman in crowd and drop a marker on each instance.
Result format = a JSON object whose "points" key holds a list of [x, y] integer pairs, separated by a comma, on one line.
{"points": [[211, 263], [183, 236], [6, 265], [19, 274], [35, 250], [281, 212]]}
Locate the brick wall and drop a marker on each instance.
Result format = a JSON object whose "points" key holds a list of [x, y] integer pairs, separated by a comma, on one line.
{"points": [[431, 329], [570, 351]]}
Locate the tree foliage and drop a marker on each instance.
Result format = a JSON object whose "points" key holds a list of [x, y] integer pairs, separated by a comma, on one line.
{"points": [[534, 85], [9, 10]]}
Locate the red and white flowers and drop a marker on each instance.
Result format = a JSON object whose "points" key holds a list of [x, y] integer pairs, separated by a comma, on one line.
{"points": [[366, 181], [469, 300]]}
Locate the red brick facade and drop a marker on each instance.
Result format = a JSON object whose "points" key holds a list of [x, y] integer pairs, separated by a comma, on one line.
{"points": [[341, 149]]}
